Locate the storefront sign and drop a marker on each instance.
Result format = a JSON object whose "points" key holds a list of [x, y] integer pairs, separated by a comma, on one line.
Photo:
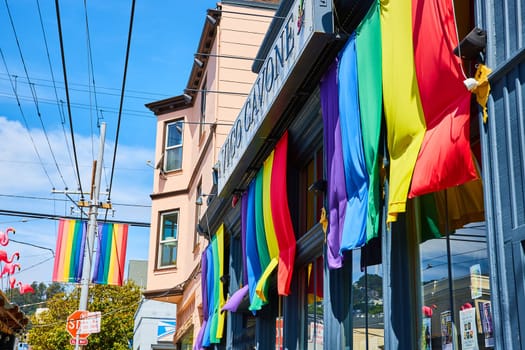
{"points": [[447, 331], [294, 35], [476, 290], [467, 329]]}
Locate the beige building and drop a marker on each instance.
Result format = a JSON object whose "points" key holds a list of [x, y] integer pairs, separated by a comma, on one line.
{"points": [[191, 128]]}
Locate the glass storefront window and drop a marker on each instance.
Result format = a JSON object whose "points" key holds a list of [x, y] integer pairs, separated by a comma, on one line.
{"points": [[187, 340], [367, 300], [312, 328], [455, 287]]}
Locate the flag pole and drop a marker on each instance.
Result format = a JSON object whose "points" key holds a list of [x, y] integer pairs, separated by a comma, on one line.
{"points": [[92, 224]]}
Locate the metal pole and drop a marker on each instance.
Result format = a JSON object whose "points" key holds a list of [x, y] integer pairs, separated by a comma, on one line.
{"points": [[92, 225]]}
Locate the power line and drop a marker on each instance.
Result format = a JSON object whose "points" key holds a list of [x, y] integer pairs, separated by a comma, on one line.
{"points": [[81, 165], [147, 94], [26, 123], [57, 7], [121, 99], [33, 92], [130, 112], [33, 215], [60, 110], [109, 312], [64, 200], [33, 245], [91, 79]]}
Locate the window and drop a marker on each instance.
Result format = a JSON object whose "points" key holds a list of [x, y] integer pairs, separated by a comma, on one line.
{"points": [[367, 297], [310, 207], [169, 233], [312, 327], [455, 270], [173, 152]]}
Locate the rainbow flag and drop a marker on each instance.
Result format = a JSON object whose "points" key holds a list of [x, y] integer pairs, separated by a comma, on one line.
{"points": [[111, 253], [69, 256], [275, 237], [445, 158]]}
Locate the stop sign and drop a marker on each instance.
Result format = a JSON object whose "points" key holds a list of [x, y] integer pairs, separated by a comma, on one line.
{"points": [[74, 322]]}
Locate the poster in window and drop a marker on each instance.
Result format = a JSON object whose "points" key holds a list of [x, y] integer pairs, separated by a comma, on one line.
{"points": [[446, 331], [468, 331], [476, 290], [486, 323], [427, 334]]}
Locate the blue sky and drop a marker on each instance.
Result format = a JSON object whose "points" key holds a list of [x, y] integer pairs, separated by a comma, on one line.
{"points": [[165, 37]]}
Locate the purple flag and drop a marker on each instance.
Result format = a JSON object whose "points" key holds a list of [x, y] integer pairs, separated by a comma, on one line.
{"points": [[235, 300], [334, 166]]}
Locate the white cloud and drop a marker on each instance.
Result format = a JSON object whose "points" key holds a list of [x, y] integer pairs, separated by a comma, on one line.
{"points": [[22, 174]]}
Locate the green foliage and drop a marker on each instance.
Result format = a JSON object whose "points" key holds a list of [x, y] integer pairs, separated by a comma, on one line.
{"points": [[29, 302], [365, 291], [117, 305]]}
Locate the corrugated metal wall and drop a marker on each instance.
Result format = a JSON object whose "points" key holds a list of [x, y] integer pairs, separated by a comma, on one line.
{"points": [[503, 140]]}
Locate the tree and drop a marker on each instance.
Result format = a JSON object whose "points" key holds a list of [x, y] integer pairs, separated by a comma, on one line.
{"points": [[116, 304], [29, 302]]}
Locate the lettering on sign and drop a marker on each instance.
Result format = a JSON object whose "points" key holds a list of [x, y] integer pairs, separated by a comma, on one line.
{"points": [[281, 59]]}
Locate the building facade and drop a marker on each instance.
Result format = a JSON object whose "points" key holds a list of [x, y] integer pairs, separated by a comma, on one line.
{"points": [[438, 262], [191, 128], [154, 326], [443, 264]]}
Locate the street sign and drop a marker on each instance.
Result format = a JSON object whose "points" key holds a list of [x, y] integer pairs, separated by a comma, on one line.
{"points": [[91, 323], [73, 341], [74, 324]]}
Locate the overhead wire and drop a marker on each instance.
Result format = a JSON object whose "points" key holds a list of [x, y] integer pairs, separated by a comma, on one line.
{"points": [[130, 31], [91, 80], [57, 7], [129, 112], [25, 122], [64, 200], [38, 111], [146, 95], [91, 74], [33, 92], [59, 106], [119, 120], [33, 245], [109, 312], [33, 215]]}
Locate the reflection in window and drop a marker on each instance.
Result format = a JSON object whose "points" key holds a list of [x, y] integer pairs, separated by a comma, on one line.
{"points": [[173, 151], [312, 315], [311, 199], [244, 338], [367, 301], [456, 308], [168, 239], [186, 342]]}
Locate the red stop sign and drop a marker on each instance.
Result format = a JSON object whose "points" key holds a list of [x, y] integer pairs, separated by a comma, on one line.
{"points": [[73, 324]]}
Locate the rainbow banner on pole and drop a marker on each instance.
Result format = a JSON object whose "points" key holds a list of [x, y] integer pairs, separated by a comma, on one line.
{"points": [[111, 254], [69, 257]]}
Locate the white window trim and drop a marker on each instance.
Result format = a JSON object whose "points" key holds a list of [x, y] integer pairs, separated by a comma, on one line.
{"points": [[168, 148], [162, 242]]}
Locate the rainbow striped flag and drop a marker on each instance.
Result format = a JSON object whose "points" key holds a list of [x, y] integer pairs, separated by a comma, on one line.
{"points": [[69, 256], [111, 254]]}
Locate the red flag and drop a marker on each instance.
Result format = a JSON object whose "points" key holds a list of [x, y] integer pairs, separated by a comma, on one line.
{"points": [[281, 217], [445, 158]]}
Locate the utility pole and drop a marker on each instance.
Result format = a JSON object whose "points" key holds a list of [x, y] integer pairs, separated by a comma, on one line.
{"points": [[92, 225]]}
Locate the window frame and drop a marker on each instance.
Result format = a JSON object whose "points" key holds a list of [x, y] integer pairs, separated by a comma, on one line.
{"points": [[161, 242], [173, 147]]}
